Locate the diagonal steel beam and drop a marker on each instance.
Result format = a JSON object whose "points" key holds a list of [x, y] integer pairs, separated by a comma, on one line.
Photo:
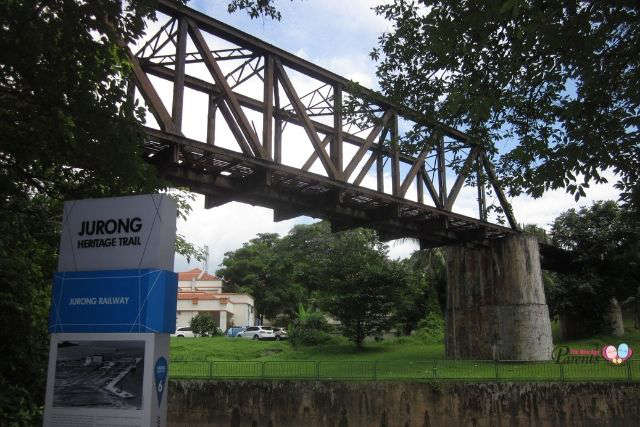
{"points": [[365, 168], [234, 106], [415, 167], [367, 144], [314, 156], [462, 176], [233, 126], [156, 38], [149, 94], [256, 105], [307, 125], [430, 187], [240, 38], [506, 206]]}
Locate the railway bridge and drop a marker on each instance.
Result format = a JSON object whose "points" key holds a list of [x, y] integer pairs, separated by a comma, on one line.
{"points": [[367, 161]]}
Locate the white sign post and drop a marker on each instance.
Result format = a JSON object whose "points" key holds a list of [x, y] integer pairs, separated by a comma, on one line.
{"points": [[113, 307]]}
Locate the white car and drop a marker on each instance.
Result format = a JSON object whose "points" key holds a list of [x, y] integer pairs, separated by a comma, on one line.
{"points": [[258, 333], [183, 332]]}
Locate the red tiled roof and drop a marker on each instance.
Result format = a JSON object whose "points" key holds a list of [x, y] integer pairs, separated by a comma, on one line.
{"points": [[197, 295], [194, 274]]}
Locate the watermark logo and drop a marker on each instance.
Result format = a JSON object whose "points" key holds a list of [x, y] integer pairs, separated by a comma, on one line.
{"points": [[617, 355], [564, 354]]}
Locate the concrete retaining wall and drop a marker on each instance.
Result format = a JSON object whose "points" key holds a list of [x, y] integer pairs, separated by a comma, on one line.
{"points": [[402, 404]]}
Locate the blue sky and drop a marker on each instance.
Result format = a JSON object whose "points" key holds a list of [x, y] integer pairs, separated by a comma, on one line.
{"points": [[337, 35]]}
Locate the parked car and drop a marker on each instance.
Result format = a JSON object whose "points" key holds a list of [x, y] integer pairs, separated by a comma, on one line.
{"points": [[258, 333], [281, 333], [234, 331], [183, 332]]}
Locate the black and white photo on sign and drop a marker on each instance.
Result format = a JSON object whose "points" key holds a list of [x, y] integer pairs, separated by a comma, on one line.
{"points": [[99, 374]]}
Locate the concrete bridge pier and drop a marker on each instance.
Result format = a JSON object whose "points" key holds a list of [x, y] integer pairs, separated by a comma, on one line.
{"points": [[496, 307]]}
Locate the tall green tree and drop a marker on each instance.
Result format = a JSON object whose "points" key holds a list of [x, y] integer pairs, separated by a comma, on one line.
{"points": [[604, 242], [361, 284], [557, 80], [346, 274], [261, 268], [423, 291], [67, 131]]}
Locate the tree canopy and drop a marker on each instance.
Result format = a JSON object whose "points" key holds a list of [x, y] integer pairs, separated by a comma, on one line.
{"points": [[347, 274], [604, 240], [67, 132], [551, 87]]}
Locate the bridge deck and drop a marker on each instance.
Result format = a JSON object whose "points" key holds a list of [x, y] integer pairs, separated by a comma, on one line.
{"points": [[224, 175]]}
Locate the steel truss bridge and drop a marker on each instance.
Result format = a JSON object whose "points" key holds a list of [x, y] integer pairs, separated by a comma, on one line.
{"points": [[348, 128]]}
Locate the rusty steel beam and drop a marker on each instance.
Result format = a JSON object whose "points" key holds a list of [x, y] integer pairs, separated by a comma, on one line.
{"points": [[307, 124], [465, 171], [506, 206], [259, 163], [368, 143], [230, 98]]}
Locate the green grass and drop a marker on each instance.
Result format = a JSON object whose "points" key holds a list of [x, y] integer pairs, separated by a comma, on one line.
{"points": [[399, 358], [223, 348]]}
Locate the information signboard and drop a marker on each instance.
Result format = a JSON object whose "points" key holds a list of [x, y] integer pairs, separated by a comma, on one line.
{"points": [[112, 310], [104, 380]]}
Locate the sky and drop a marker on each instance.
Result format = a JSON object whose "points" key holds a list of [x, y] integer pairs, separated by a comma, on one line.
{"points": [[337, 35]]}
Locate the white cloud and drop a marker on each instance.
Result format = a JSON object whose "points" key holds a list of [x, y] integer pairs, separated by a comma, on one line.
{"points": [[226, 228]]}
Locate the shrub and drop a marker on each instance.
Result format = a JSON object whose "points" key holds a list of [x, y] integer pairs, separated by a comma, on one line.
{"points": [[204, 325], [431, 328], [309, 328]]}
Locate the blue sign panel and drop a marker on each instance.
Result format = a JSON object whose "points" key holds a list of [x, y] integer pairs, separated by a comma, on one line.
{"points": [[114, 301]]}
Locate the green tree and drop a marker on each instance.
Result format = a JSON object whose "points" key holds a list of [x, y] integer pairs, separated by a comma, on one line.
{"points": [[419, 297], [604, 242], [361, 284], [262, 269], [310, 327], [67, 132], [432, 263], [559, 78], [346, 274], [202, 324], [539, 233]]}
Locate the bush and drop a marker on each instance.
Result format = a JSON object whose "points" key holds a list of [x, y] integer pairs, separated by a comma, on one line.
{"points": [[309, 328], [204, 325], [431, 328]]}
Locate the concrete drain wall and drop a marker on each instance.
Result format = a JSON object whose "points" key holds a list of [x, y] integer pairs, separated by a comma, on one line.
{"points": [[402, 404]]}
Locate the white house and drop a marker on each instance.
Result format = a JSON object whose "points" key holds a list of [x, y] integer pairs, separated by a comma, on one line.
{"points": [[199, 291]]}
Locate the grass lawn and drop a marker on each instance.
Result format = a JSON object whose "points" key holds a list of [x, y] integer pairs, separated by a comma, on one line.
{"points": [[397, 358], [224, 348]]}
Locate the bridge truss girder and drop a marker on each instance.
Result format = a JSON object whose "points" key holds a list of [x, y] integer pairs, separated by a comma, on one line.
{"points": [[256, 175]]}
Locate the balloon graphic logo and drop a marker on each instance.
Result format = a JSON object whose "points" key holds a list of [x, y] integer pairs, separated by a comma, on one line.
{"points": [[160, 374], [617, 355]]}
